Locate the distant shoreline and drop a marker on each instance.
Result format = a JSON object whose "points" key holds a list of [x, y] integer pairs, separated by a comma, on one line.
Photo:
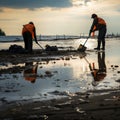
{"points": [[10, 41]]}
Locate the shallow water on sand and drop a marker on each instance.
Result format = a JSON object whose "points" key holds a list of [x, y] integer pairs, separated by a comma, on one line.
{"points": [[63, 75]]}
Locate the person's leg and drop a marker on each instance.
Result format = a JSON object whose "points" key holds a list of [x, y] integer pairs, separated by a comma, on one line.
{"points": [[99, 39], [29, 43], [103, 44], [25, 37], [103, 40], [99, 44]]}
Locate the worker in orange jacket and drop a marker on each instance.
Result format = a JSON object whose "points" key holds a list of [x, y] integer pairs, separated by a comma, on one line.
{"points": [[29, 33], [100, 25]]}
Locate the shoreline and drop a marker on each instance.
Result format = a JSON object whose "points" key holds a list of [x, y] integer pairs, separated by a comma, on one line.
{"points": [[56, 39]]}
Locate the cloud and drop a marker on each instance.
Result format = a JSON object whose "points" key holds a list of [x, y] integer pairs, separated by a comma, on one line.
{"points": [[109, 6], [86, 1], [32, 4], [82, 2]]}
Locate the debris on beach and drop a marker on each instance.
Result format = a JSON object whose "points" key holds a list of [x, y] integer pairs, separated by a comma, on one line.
{"points": [[16, 49], [51, 48]]}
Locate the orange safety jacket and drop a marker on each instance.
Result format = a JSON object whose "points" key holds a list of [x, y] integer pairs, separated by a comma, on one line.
{"points": [[100, 22], [29, 28]]}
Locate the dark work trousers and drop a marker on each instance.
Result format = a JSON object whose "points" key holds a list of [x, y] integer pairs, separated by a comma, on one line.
{"points": [[101, 37], [28, 43]]}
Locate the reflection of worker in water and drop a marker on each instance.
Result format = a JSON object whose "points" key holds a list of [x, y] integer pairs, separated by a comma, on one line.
{"points": [[100, 73], [30, 72]]}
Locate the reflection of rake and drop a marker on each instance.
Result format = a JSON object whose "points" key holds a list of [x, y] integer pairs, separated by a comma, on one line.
{"points": [[86, 60], [90, 66], [88, 63], [83, 56]]}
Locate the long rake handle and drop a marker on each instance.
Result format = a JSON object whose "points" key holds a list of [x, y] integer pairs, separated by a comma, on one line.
{"points": [[85, 41], [40, 46]]}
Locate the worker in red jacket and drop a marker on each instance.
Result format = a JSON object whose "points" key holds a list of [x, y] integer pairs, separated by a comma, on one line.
{"points": [[100, 25], [29, 33]]}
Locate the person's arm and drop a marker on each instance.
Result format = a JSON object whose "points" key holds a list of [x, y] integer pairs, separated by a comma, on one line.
{"points": [[95, 22], [35, 35]]}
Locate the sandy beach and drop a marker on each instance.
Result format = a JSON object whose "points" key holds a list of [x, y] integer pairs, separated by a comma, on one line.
{"points": [[64, 87]]}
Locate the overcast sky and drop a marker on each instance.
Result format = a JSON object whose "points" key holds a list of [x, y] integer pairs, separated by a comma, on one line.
{"points": [[53, 17]]}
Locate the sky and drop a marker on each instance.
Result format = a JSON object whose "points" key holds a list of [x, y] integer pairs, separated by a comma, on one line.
{"points": [[57, 17]]}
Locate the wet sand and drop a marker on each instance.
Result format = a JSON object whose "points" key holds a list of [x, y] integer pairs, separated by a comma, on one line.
{"points": [[79, 107], [91, 105]]}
